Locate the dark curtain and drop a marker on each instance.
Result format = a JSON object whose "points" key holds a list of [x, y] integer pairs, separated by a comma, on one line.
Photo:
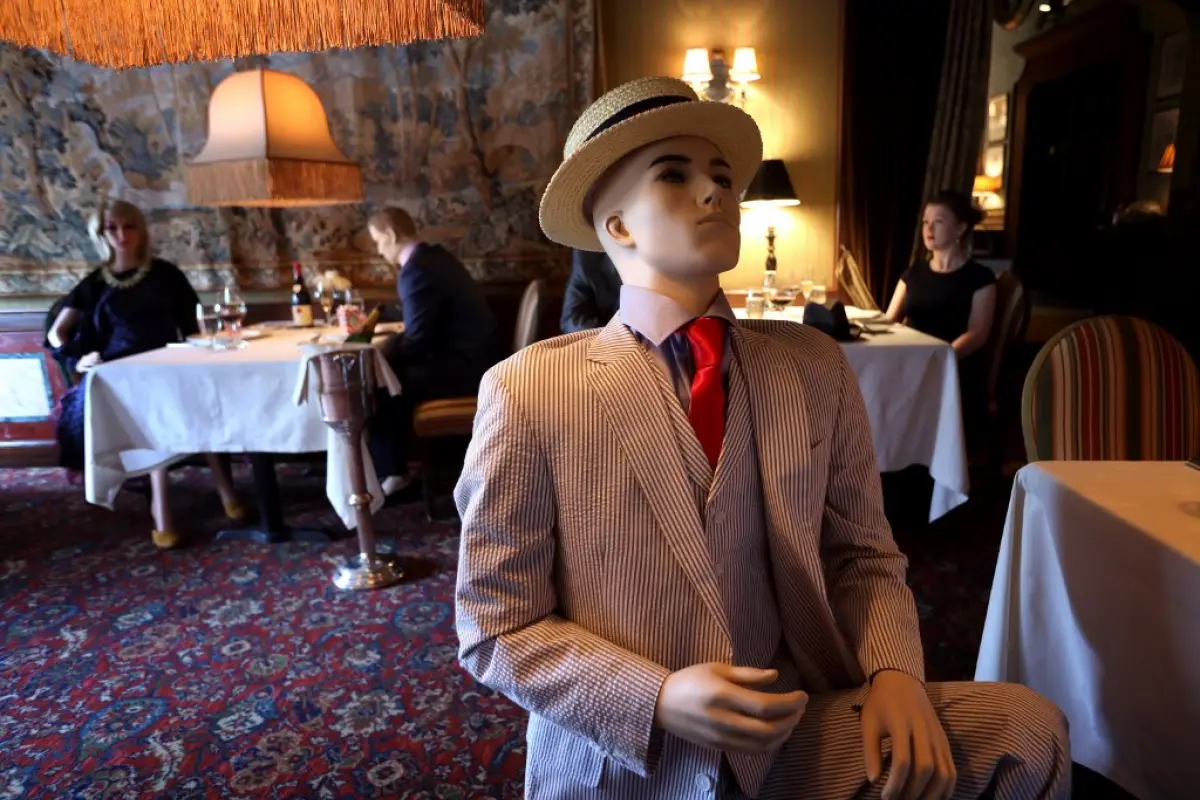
{"points": [[961, 110], [892, 66]]}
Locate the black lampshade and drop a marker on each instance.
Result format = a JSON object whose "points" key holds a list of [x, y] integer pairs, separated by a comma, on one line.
{"points": [[771, 186]]}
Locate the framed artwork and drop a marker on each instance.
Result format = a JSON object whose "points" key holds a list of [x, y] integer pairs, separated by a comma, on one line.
{"points": [[997, 118], [993, 162], [1172, 65], [1163, 126]]}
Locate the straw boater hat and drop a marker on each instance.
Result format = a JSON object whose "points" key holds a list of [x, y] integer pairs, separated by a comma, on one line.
{"points": [[625, 119]]}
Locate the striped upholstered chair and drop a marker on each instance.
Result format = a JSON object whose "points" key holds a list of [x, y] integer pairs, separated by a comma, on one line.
{"points": [[1111, 388]]}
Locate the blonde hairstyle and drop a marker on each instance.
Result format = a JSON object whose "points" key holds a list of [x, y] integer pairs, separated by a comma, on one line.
{"points": [[394, 219], [118, 210]]}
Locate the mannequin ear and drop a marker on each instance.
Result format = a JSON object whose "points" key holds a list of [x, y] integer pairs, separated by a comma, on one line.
{"points": [[614, 226]]}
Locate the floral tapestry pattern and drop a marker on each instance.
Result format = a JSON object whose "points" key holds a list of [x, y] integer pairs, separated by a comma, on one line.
{"points": [[463, 134]]}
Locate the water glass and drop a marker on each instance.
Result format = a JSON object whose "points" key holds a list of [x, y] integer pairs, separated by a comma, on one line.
{"points": [[817, 294], [206, 318], [231, 310], [756, 303]]}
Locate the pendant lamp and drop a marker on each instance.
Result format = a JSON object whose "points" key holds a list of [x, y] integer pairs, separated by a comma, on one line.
{"points": [[140, 33], [269, 145]]}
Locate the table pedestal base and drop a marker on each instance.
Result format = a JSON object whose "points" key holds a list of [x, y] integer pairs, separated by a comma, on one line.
{"points": [[271, 528]]}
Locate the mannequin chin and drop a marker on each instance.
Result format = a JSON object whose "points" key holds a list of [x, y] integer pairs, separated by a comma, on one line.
{"points": [[667, 217]]}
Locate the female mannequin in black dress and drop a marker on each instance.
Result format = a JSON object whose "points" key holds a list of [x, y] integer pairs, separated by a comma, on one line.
{"points": [[130, 304], [950, 296]]}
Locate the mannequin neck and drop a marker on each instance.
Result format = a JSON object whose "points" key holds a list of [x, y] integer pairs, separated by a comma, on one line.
{"points": [[692, 292]]}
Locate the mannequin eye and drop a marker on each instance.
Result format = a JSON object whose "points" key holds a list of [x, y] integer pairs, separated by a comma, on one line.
{"points": [[724, 181], [672, 175]]}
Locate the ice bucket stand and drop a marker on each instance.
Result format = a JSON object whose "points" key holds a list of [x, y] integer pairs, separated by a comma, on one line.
{"points": [[347, 399]]}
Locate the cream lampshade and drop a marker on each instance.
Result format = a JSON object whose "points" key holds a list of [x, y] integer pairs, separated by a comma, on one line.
{"points": [[745, 65], [269, 145], [696, 67]]}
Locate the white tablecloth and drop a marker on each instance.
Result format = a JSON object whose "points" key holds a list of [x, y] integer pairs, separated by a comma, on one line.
{"points": [[153, 409], [1096, 604], [909, 382]]}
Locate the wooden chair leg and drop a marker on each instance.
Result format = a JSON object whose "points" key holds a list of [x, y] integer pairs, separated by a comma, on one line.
{"points": [[427, 475]]}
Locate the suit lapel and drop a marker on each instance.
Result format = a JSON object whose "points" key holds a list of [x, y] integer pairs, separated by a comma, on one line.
{"points": [[739, 429], [629, 387], [773, 386]]}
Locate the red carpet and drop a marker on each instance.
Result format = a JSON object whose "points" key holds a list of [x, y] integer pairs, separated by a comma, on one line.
{"points": [[236, 670], [230, 670]]}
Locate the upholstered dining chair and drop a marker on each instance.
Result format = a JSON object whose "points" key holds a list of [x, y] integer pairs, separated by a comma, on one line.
{"points": [[437, 422], [1111, 388], [1009, 324]]}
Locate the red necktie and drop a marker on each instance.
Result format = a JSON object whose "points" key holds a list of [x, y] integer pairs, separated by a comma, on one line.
{"points": [[706, 410]]}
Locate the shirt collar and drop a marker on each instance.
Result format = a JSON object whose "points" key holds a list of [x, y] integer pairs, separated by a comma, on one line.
{"points": [[655, 317], [406, 253]]}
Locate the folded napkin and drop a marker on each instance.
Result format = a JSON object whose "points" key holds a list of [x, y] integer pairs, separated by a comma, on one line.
{"points": [[337, 482]]}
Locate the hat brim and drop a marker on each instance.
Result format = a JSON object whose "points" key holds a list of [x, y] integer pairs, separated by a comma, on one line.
{"points": [[731, 130]]}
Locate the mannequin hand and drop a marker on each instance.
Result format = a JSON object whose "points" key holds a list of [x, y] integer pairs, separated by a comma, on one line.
{"points": [[87, 362], [922, 765], [709, 705]]}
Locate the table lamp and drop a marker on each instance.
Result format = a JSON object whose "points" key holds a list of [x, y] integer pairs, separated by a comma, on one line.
{"points": [[770, 188]]}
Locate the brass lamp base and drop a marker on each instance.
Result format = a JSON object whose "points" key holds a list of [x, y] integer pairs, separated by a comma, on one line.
{"points": [[369, 572]]}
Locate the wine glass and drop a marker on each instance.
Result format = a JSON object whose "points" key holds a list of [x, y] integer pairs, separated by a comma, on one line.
{"points": [[326, 290], [231, 310], [782, 296]]}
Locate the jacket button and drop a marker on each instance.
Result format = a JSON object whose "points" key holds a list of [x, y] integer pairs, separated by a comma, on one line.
{"points": [[706, 783]]}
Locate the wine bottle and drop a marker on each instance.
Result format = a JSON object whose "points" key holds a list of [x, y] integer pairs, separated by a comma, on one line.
{"points": [[366, 332], [302, 310]]}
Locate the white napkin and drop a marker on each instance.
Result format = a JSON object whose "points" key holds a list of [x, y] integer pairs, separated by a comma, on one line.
{"points": [[337, 482]]}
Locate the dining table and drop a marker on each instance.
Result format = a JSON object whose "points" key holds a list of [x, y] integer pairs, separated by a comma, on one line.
{"points": [[156, 408], [1095, 604], [909, 382]]}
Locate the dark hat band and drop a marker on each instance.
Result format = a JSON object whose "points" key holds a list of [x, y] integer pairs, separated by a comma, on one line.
{"points": [[640, 107]]}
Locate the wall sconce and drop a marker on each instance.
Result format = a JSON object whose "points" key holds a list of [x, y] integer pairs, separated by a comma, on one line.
{"points": [[715, 79]]}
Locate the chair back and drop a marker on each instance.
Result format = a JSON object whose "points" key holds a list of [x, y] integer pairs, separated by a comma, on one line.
{"points": [[1111, 388], [1009, 324], [529, 316], [852, 284]]}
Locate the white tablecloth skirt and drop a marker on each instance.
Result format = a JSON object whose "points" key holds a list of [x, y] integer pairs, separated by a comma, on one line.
{"points": [[156, 408]]}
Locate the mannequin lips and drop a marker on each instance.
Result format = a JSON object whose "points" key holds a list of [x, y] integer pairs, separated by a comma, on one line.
{"points": [[716, 216]]}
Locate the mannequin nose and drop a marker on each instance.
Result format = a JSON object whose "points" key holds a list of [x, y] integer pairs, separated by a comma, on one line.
{"points": [[711, 196]]}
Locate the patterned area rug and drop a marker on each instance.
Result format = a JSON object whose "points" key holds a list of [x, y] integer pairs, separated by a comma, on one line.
{"points": [[237, 670]]}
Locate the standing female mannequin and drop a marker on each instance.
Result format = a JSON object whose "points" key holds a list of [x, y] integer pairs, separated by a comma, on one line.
{"points": [[950, 296], [130, 304]]}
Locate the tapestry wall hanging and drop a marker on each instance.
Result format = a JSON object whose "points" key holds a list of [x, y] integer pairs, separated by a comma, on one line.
{"points": [[462, 134]]}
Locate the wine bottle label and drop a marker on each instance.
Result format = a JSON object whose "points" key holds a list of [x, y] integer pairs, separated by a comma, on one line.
{"points": [[302, 316]]}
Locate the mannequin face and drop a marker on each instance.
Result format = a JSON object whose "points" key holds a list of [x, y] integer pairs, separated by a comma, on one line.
{"points": [[670, 206], [387, 244]]}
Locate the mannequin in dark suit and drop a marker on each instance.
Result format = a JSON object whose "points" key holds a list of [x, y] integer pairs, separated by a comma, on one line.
{"points": [[593, 292], [449, 337]]}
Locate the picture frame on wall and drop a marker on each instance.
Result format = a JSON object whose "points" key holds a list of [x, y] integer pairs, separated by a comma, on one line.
{"points": [[1163, 127], [1172, 65], [997, 118]]}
